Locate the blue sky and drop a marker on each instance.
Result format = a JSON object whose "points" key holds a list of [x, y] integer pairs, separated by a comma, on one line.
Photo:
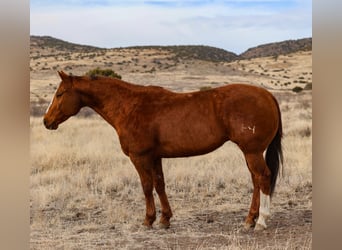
{"points": [[234, 25]]}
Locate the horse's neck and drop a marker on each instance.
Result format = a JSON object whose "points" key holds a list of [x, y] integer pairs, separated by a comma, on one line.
{"points": [[110, 100]]}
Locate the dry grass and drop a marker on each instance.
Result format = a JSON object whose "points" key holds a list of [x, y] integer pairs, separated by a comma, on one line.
{"points": [[85, 193]]}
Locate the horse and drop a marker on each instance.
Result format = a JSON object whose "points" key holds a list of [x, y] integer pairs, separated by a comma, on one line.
{"points": [[154, 123]]}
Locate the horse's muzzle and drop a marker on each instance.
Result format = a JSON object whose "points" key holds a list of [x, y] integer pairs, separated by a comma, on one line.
{"points": [[51, 126]]}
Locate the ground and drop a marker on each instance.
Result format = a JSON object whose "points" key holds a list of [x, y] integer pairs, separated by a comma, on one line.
{"points": [[85, 193], [219, 227]]}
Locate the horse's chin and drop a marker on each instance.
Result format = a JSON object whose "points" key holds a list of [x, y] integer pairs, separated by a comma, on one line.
{"points": [[53, 127]]}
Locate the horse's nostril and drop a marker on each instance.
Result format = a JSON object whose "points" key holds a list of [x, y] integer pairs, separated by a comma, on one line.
{"points": [[50, 125]]}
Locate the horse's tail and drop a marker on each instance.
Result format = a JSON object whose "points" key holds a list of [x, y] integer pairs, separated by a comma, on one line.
{"points": [[274, 153]]}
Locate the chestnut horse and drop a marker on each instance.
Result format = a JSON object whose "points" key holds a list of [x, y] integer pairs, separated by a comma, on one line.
{"points": [[153, 123]]}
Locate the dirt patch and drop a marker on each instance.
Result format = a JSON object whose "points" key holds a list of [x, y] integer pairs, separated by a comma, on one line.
{"points": [[220, 227]]}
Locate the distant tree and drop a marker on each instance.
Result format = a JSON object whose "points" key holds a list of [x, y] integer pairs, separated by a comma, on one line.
{"points": [[103, 72]]}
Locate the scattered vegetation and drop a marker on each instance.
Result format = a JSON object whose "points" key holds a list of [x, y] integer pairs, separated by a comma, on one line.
{"points": [[103, 72]]}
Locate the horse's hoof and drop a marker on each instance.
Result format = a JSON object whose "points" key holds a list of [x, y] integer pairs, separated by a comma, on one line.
{"points": [[248, 226], [259, 227], [147, 225], [164, 225]]}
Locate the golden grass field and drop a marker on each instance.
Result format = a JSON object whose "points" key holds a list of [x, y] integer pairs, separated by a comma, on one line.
{"points": [[85, 193]]}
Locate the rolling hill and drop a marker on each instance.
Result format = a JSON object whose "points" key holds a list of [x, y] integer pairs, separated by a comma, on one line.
{"points": [[279, 48], [183, 52]]}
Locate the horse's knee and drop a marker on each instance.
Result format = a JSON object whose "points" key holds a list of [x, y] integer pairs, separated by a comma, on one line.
{"points": [[147, 187], [159, 186], [158, 182]]}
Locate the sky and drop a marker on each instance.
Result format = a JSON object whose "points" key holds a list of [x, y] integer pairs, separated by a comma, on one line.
{"points": [[233, 25]]}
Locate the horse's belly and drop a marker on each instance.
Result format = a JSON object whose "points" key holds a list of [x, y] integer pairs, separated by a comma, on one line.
{"points": [[192, 139]]}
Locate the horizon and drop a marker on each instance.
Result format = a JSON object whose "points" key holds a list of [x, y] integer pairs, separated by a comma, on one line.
{"points": [[232, 25], [170, 45]]}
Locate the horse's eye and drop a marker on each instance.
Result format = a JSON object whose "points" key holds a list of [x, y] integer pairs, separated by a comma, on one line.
{"points": [[59, 94]]}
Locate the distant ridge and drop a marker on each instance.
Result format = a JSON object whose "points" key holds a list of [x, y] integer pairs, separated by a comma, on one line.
{"points": [[279, 48], [196, 52], [186, 52], [58, 44]]}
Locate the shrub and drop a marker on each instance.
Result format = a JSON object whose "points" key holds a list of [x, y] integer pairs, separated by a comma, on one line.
{"points": [[103, 72], [305, 132], [297, 89], [204, 88]]}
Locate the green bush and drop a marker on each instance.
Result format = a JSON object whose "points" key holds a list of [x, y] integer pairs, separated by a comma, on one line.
{"points": [[103, 72], [297, 89]]}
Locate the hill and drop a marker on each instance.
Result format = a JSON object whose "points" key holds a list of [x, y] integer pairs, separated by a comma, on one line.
{"points": [[279, 48], [183, 52], [195, 52], [48, 42]]}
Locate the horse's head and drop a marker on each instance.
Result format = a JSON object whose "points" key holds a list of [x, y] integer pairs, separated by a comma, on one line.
{"points": [[65, 103]]}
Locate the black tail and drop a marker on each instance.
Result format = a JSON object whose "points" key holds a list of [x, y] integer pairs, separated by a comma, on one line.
{"points": [[274, 153]]}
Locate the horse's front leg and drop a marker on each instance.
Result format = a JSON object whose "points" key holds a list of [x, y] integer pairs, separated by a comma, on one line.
{"points": [[144, 166], [159, 184]]}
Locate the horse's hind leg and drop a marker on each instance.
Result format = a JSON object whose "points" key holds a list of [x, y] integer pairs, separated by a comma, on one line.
{"points": [[262, 188], [254, 209], [159, 184]]}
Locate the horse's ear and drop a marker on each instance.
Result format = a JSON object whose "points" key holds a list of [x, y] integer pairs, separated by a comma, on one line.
{"points": [[67, 79], [63, 75]]}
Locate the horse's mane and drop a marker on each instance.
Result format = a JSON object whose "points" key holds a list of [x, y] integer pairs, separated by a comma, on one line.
{"points": [[117, 82], [92, 78], [87, 77]]}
